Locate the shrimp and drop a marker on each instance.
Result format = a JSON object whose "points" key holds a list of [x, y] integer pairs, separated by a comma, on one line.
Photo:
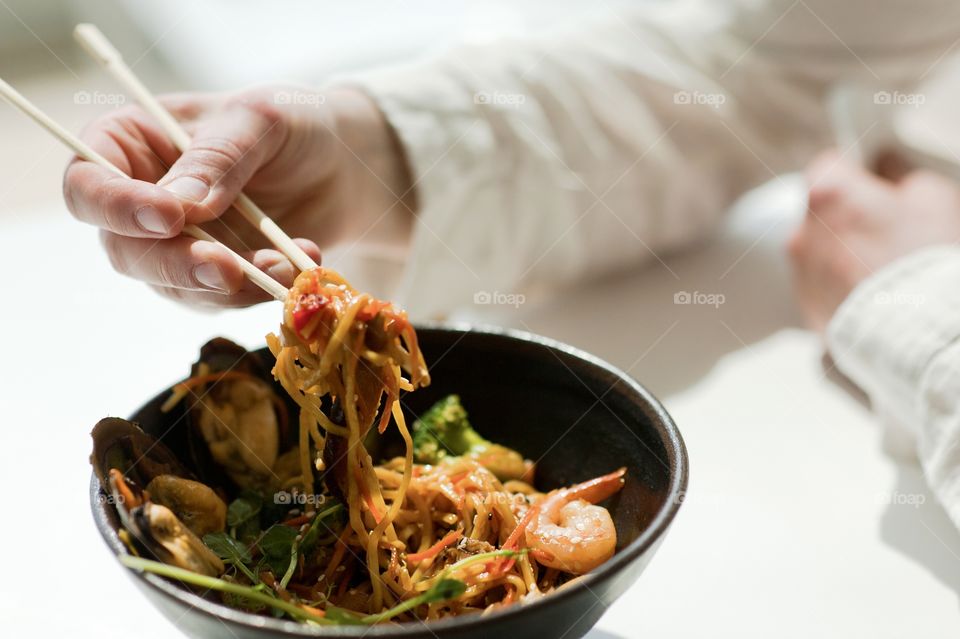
{"points": [[572, 533]]}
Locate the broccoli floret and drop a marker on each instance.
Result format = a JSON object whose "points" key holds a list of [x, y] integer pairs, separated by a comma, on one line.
{"points": [[444, 431]]}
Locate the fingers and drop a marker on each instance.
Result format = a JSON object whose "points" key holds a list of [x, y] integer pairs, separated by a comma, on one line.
{"points": [[194, 187], [141, 218], [842, 187], [224, 155], [119, 205], [138, 208], [197, 272], [833, 248], [828, 173], [180, 262]]}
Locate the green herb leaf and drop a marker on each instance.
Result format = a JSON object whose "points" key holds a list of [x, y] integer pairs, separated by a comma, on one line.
{"points": [[444, 590], [243, 516], [221, 585], [231, 551], [276, 545], [310, 539], [243, 603], [277, 540], [342, 617], [244, 508], [227, 548]]}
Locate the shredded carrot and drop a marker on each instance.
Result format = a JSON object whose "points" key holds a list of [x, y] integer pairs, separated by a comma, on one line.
{"points": [[512, 543], [312, 610], [368, 499], [270, 579], [514, 537], [451, 537], [127, 497], [393, 394], [456, 478], [338, 553]]}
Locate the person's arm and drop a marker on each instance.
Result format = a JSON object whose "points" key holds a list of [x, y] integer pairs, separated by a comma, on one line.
{"points": [[878, 269], [510, 165], [898, 337], [544, 160]]}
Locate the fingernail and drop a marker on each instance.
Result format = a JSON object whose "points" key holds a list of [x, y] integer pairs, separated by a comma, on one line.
{"points": [[188, 188], [151, 220], [280, 271], [210, 276]]}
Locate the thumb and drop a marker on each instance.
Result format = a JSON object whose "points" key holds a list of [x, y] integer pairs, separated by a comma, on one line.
{"points": [[225, 153]]}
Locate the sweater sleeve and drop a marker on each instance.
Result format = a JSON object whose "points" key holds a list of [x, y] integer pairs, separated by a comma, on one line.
{"points": [[896, 336], [558, 157]]}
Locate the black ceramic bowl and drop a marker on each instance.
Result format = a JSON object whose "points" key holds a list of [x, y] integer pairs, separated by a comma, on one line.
{"points": [[577, 415]]}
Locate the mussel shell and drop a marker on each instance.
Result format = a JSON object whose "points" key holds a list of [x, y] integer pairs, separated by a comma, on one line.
{"points": [[158, 530], [121, 444], [220, 355]]}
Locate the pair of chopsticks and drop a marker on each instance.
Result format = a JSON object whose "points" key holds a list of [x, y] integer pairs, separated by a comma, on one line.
{"points": [[97, 45]]}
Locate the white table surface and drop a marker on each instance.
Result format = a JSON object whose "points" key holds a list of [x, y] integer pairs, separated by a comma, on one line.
{"points": [[795, 524]]}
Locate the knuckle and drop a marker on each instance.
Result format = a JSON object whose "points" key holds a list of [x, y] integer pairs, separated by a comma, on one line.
{"points": [[117, 204], [218, 155], [170, 272], [822, 195], [126, 113], [260, 103], [270, 116], [214, 162], [112, 123]]}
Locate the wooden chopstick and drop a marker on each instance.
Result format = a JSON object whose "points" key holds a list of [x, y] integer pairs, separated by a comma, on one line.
{"points": [[83, 150], [97, 45]]}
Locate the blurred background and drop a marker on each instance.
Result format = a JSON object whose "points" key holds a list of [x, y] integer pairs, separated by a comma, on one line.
{"points": [[224, 44], [797, 536], [210, 45]]}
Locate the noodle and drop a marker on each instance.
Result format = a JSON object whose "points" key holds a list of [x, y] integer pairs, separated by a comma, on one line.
{"points": [[344, 357]]}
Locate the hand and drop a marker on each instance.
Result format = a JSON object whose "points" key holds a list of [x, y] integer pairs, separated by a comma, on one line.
{"points": [[325, 169], [857, 223]]}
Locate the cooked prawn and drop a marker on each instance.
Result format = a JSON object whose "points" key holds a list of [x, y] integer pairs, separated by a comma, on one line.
{"points": [[569, 531]]}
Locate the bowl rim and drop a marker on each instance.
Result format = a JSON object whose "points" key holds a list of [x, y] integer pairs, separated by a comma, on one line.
{"points": [[677, 461]]}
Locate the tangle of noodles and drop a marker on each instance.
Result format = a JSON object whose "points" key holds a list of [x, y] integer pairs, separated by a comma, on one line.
{"points": [[344, 344], [344, 357]]}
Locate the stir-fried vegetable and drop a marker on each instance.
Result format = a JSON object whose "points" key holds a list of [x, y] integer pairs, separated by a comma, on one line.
{"points": [[442, 590], [445, 431], [465, 533]]}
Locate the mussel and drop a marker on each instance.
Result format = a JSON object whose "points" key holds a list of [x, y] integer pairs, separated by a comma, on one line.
{"points": [[195, 503], [167, 517], [236, 414]]}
